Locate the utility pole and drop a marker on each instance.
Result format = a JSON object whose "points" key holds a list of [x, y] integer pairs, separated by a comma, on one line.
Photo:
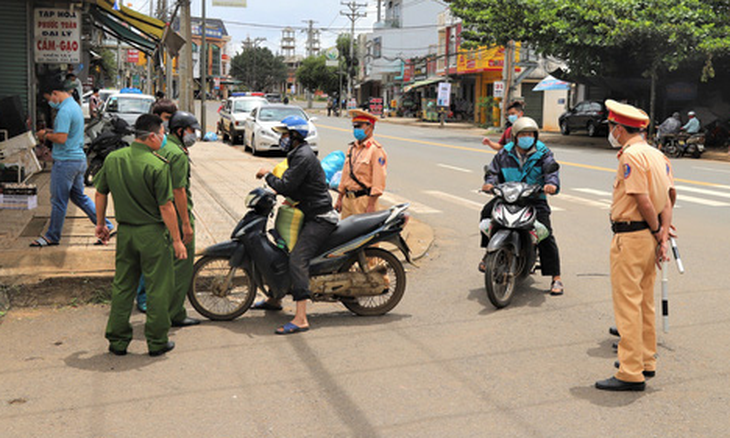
{"points": [[148, 85], [353, 15], [204, 71], [508, 73], [185, 60], [310, 52]]}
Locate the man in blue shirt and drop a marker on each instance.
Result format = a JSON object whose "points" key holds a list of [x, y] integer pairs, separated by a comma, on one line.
{"points": [[69, 162], [693, 124]]}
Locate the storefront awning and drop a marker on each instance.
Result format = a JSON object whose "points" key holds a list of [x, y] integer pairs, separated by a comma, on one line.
{"points": [[423, 83], [151, 27], [109, 25]]}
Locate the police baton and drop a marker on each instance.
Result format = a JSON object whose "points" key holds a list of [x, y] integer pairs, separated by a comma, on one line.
{"points": [[665, 284]]}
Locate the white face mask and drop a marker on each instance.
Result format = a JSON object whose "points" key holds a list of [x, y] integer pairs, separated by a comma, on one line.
{"points": [[614, 142]]}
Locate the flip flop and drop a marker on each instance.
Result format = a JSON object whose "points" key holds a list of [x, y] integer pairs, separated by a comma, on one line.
{"points": [[557, 288], [289, 329], [42, 242], [100, 242], [265, 305]]}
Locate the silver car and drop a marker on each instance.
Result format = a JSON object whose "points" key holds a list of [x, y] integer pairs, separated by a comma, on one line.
{"points": [[128, 107], [234, 114], [259, 135]]}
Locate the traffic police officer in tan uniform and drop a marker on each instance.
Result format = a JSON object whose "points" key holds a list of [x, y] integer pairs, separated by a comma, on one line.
{"points": [[140, 183], [365, 169], [641, 217]]}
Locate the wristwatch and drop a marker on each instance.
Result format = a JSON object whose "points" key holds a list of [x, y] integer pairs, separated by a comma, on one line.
{"points": [[659, 228]]}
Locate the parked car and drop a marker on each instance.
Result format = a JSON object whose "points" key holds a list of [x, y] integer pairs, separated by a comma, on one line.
{"points": [[234, 114], [589, 115], [128, 107], [103, 95], [259, 135], [273, 97]]}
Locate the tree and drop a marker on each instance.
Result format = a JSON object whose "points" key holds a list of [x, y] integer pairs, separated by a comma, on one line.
{"points": [[313, 74], [348, 64], [258, 68], [606, 37]]}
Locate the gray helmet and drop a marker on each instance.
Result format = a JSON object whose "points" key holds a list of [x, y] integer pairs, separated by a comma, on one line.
{"points": [[524, 124], [184, 120]]}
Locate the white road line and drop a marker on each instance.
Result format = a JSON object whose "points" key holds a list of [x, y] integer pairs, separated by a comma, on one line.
{"points": [[603, 205], [702, 201], [458, 169], [702, 191], [594, 192], [468, 203], [415, 207], [709, 169]]}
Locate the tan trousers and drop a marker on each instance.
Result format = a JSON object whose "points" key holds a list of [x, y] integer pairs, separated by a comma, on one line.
{"points": [[351, 206], [632, 279]]}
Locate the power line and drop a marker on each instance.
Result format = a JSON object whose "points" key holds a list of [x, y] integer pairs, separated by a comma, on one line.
{"points": [[323, 29], [353, 15]]}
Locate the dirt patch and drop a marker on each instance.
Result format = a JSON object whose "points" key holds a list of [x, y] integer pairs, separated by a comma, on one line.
{"points": [[56, 291]]}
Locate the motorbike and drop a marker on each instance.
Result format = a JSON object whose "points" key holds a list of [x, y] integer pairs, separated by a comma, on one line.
{"points": [[514, 233], [105, 137], [677, 146], [349, 268]]}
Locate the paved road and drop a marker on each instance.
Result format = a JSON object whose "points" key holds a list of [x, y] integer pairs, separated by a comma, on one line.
{"points": [[443, 363]]}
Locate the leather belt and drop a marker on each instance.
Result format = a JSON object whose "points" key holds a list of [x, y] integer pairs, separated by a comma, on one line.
{"points": [[352, 194], [629, 227]]}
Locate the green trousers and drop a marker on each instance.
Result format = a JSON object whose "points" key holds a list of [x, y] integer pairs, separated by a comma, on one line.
{"points": [[183, 278], [141, 250]]}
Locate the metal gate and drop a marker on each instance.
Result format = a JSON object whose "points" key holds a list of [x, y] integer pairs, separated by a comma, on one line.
{"points": [[533, 102], [14, 33]]}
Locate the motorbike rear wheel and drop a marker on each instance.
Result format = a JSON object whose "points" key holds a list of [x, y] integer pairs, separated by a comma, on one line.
{"points": [[498, 279], [395, 276], [672, 150], [218, 291]]}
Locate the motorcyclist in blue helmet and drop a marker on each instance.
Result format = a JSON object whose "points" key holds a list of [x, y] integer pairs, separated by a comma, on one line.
{"points": [[304, 182]]}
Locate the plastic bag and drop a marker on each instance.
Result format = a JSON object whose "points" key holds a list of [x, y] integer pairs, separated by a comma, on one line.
{"points": [[289, 222], [280, 168], [332, 163], [335, 181]]}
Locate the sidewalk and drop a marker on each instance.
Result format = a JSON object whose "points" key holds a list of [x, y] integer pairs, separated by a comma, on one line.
{"points": [[78, 270]]}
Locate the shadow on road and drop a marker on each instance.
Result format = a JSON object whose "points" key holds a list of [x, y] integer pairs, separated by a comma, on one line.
{"points": [[608, 399], [526, 294], [604, 349], [108, 363]]}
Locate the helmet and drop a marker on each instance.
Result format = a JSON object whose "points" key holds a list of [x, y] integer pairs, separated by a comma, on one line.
{"points": [[184, 120], [691, 113], [294, 123], [524, 124]]}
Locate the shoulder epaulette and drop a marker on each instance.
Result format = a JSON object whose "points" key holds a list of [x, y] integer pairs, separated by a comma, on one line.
{"points": [[160, 157]]}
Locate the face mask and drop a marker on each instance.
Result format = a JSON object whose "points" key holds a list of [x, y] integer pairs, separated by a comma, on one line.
{"points": [[53, 104], [612, 139], [512, 118], [525, 143], [285, 143], [359, 134], [189, 139], [164, 141]]}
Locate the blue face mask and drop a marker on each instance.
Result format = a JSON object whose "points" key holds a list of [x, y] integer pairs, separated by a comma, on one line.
{"points": [[525, 142], [359, 134], [512, 118], [53, 104], [285, 143], [164, 141]]}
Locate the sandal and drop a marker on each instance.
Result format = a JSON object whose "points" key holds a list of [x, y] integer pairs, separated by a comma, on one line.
{"points": [[42, 242], [557, 288], [265, 305], [289, 329]]}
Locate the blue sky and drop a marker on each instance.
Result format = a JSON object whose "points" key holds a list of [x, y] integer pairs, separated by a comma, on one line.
{"points": [[326, 14]]}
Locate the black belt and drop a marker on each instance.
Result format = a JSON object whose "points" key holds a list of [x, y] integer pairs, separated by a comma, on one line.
{"points": [[357, 193], [629, 227]]}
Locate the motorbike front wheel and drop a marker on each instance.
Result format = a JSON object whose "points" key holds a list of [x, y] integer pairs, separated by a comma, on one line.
{"points": [[499, 280], [93, 168], [395, 277], [218, 291]]}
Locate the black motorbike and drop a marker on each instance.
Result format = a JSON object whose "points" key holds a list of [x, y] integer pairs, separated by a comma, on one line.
{"points": [[679, 145], [366, 279], [108, 136], [514, 233]]}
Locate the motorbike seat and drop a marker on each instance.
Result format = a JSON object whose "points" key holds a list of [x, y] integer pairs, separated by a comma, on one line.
{"points": [[354, 226]]}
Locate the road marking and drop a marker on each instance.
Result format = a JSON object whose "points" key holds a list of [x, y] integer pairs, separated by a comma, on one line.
{"points": [[702, 201], [468, 203], [415, 207], [603, 205], [458, 169], [709, 169], [594, 192], [702, 191], [485, 151]]}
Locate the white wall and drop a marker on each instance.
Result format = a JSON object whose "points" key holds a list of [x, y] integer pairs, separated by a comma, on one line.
{"points": [[552, 108]]}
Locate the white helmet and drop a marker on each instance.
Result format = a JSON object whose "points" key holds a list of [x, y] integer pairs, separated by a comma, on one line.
{"points": [[691, 113], [524, 124]]}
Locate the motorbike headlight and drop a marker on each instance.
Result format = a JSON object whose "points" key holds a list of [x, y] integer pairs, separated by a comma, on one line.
{"points": [[511, 193], [250, 200]]}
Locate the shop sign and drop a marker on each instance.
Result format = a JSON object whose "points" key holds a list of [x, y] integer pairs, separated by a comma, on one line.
{"points": [[376, 106], [132, 56], [231, 3], [217, 83], [331, 57], [499, 89], [420, 69], [482, 59], [57, 36], [444, 94]]}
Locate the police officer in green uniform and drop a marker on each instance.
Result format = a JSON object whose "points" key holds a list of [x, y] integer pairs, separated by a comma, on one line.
{"points": [[140, 183], [183, 126]]}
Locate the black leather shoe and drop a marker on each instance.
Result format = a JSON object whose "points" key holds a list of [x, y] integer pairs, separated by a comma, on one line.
{"points": [[186, 322], [117, 352], [613, 331], [648, 374], [169, 346], [614, 345], [614, 384]]}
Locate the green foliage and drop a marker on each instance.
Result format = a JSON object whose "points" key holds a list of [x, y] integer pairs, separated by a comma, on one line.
{"points": [[313, 74], [109, 63], [488, 104], [606, 37], [258, 68], [348, 64]]}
